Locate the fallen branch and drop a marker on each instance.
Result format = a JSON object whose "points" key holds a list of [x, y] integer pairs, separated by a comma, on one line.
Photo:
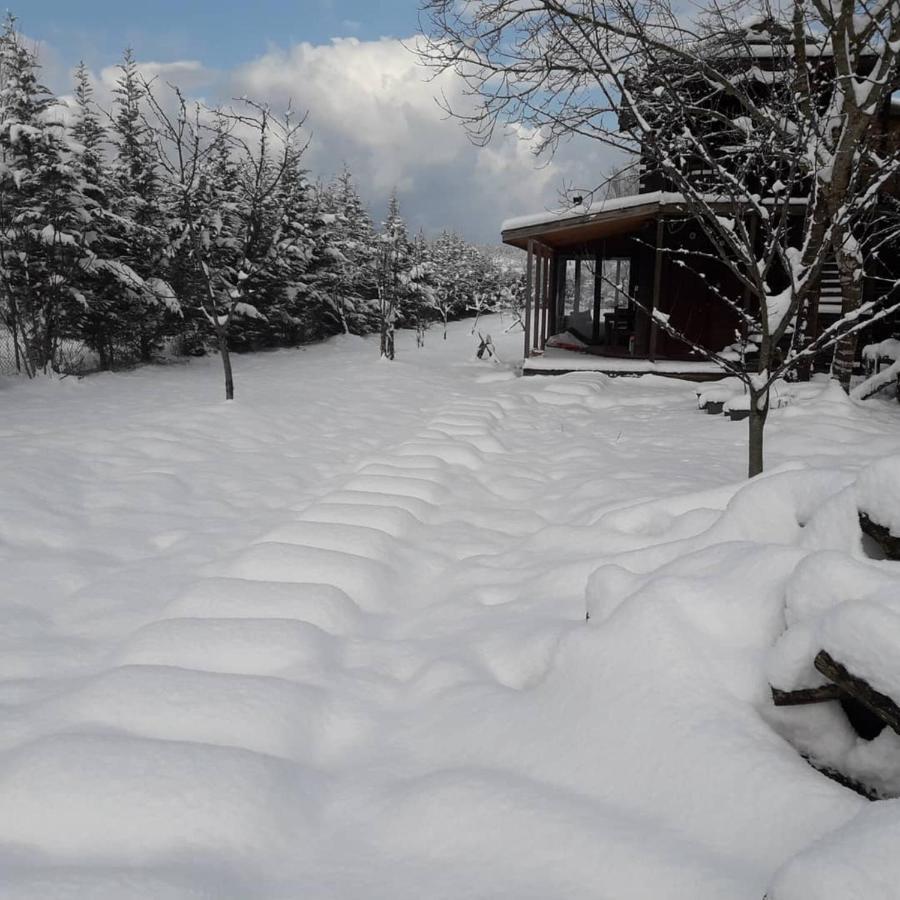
{"points": [[877, 703], [821, 694]]}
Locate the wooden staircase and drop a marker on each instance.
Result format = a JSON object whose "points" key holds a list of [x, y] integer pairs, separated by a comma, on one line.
{"points": [[830, 290]]}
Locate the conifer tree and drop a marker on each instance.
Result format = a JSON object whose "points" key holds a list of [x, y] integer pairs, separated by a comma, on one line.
{"points": [[394, 267], [102, 314], [138, 200], [346, 259], [43, 212]]}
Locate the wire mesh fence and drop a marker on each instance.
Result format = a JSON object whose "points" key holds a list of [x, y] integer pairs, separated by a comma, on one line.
{"points": [[7, 353], [73, 357]]}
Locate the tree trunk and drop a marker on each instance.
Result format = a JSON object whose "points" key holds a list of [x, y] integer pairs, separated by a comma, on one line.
{"points": [[757, 423], [102, 349], [387, 339], [146, 346], [13, 324], [222, 339]]}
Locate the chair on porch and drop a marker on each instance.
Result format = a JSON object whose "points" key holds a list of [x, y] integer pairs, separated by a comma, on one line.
{"points": [[619, 327]]}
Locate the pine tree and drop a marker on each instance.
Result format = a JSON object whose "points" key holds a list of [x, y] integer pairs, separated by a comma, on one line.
{"points": [[138, 197], [89, 137], [343, 271], [291, 282], [395, 263], [422, 286], [44, 242]]}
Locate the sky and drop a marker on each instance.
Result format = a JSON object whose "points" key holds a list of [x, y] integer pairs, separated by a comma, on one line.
{"points": [[344, 61]]}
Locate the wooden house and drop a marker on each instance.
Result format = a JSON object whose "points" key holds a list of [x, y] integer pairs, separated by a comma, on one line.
{"points": [[594, 272]]}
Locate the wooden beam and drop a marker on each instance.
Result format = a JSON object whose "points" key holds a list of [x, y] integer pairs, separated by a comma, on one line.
{"points": [[801, 697], [657, 280], [879, 704], [560, 267], [576, 302], [538, 299], [598, 293], [545, 302], [529, 297]]}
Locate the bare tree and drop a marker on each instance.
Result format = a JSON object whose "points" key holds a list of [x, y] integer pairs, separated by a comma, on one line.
{"points": [[224, 169]]}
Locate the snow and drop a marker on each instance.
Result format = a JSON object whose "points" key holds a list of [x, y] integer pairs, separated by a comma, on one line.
{"points": [[653, 198], [876, 381], [554, 359], [878, 493], [330, 640], [886, 349]]}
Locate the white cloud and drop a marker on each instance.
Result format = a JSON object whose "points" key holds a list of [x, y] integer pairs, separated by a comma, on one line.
{"points": [[372, 107], [371, 104], [189, 74]]}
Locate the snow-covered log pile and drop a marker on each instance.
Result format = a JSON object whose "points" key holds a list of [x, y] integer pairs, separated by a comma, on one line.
{"points": [[843, 638], [887, 351], [730, 395]]}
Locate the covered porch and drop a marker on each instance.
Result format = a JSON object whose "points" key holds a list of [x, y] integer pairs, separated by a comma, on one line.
{"points": [[594, 277]]}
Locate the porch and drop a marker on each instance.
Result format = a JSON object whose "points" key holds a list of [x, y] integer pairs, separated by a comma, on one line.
{"points": [[595, 277], [556, 361]]}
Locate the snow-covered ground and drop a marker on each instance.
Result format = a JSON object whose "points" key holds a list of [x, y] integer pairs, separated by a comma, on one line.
{"points": [[329, 641]]}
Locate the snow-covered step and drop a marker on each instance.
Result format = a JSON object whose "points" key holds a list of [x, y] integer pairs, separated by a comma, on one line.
{"points": [[278, 647], [422, 489], [390, 519], [322, 605], [454, 454], [413, 505], [479, 438], [361, 540], [367, 581], [115, 799], [265, 715]]}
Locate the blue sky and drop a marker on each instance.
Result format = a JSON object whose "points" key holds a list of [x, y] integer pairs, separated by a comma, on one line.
{"points": [[218, 33], [370, 106]]}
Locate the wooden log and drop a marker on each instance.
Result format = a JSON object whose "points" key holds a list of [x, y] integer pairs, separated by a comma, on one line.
{"points": [[879, 704], [889, 543], [801, 697]]}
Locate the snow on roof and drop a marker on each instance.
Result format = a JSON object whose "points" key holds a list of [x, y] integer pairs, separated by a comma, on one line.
{"points": [[591, 209], [652, 198]]}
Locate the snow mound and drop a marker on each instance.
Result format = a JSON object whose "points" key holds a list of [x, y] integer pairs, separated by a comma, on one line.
{"points": [[135, 801], [322, 605], [368, 581], [878, 493], [332, 640]]}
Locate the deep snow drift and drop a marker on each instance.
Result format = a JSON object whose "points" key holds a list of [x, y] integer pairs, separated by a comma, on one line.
{"points": [[329, 641]]}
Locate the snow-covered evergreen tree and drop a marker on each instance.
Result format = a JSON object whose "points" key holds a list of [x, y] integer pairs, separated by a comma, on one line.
{"points": [[44, 212], [138, 199], [394, 267], [345, 260]]}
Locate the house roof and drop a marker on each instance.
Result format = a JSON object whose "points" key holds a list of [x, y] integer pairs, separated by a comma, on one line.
{"points": [[578, 224]]}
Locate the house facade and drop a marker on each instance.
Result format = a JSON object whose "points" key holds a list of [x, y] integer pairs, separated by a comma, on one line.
{"points": [[600, 277]]}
